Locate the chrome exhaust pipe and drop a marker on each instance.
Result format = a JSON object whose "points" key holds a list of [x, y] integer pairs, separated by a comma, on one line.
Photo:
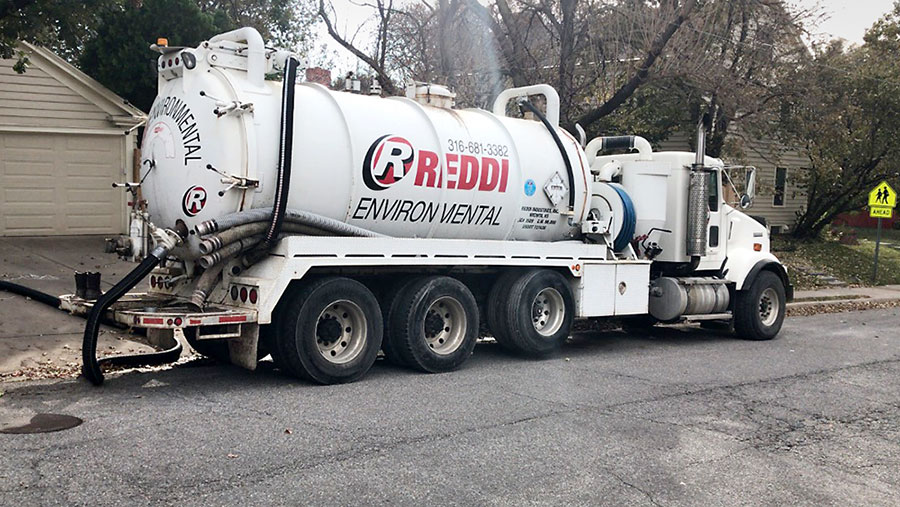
{"points": [[698, 192]]}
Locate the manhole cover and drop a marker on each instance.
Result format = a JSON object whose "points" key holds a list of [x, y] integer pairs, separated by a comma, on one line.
{"points": [[45, 423]]}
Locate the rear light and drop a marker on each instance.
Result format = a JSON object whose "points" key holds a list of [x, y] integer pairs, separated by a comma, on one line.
{"points": [[253, 296], [178, 321], [176, 60], [153, 281], [234, 293], [170, 62], [243, 294]]}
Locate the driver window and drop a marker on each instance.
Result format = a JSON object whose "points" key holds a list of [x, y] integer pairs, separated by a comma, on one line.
{"points": [[713, 191]]}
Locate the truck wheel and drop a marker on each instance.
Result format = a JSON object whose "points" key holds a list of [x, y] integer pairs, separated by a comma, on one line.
{"points": [[213, 349], [538, 312], [496, 300], [388, 303], [331, 331], [434, 324], [759, 311]]}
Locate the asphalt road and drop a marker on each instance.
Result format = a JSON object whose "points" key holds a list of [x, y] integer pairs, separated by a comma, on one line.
{"points": [[675, 418]]}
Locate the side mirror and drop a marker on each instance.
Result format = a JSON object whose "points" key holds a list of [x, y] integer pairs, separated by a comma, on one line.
{"points": [[750, 184], [746, 201]]}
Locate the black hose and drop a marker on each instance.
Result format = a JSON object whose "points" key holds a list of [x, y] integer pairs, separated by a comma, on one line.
{"points": [[41, 297], [155, 358], [91, 367], [283, 184], [47, 299], [562, 150]]}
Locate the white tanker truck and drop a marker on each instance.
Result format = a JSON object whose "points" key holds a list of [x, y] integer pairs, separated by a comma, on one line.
{"points": [[321, 227]]}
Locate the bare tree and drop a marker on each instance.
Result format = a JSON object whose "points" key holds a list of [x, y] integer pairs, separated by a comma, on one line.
{"points": [[377, 61]]}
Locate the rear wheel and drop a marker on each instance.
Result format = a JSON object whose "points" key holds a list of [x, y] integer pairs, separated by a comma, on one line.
{"points": [[388, 303], [213, 349], [434, 324], [759, 311], [536, 317], [496, 300], [331, 331]]}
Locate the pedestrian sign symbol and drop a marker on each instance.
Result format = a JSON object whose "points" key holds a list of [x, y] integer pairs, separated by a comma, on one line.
{"points": [[882, 200], [883, 195]]}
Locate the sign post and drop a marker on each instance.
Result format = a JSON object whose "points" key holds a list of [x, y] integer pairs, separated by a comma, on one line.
{"points": [[882, 200]]}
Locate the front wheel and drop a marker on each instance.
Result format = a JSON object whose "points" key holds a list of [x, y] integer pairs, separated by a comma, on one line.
{"points": [[759, 311]]}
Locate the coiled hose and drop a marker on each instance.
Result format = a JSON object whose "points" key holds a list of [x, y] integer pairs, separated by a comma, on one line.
{"points": [[629, 220], [91, 366]]}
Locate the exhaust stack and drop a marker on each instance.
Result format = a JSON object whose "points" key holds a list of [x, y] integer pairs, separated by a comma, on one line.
{"points": [[698, 208]]}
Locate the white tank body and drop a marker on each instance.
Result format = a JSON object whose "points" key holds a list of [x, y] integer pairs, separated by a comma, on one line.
{"points": [[390, 165]]}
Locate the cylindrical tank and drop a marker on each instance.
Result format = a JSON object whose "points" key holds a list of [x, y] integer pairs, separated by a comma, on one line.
{"points": [[391, 165], [671, 298]]}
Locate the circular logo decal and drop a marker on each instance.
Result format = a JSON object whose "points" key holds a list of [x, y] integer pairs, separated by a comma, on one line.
{"points": [[193, 201], [530, 188], [388, 160]]}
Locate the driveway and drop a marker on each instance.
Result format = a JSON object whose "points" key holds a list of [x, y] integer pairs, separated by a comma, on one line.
{"points": [[36, 340]]}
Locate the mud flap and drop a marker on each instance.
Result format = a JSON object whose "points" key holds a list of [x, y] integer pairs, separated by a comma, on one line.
{"points": [[242, 351]]}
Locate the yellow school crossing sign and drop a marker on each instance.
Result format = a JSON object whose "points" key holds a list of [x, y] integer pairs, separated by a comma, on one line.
{"points": [[882, 200]]}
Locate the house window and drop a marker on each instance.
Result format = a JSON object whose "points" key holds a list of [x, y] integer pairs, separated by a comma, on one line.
{"points": [[780, 184]]}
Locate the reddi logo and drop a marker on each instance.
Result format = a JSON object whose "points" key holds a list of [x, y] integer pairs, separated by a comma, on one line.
{"points": [[391, 158]]}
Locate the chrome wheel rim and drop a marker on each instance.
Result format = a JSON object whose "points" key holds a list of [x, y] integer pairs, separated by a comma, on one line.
{"points": [[341, 332], [769, 307], [548, 310], [445, 325]]}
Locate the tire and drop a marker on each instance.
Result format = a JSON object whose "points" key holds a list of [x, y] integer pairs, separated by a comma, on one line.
{"points": [[759, 311], [388, 302], [213, 349], [496, 298], [434, 324], [330, 331], [533, 291]]}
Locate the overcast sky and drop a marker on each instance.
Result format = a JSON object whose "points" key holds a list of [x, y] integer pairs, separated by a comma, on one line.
{"points": [[847, 19], [842, 19]]}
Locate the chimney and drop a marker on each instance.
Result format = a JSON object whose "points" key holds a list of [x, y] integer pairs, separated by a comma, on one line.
{"points": [[318, 75]]}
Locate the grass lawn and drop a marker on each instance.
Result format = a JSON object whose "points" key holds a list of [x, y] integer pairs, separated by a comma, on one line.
{"points": [[849, 263]]}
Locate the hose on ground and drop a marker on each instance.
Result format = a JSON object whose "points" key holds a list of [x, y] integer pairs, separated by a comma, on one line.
{"points": [[28, 292], [91, 366], [47, 299]]}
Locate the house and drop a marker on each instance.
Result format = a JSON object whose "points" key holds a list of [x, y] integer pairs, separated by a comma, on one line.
{"points": [[64, 139], [778, 197]]}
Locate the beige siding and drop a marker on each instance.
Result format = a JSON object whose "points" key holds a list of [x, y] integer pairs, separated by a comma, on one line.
{"points": [[60, 184], [36, 99], [765, 155]]}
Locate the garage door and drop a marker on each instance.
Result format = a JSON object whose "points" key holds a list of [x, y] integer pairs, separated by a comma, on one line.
{"points": [[55, 184]]}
